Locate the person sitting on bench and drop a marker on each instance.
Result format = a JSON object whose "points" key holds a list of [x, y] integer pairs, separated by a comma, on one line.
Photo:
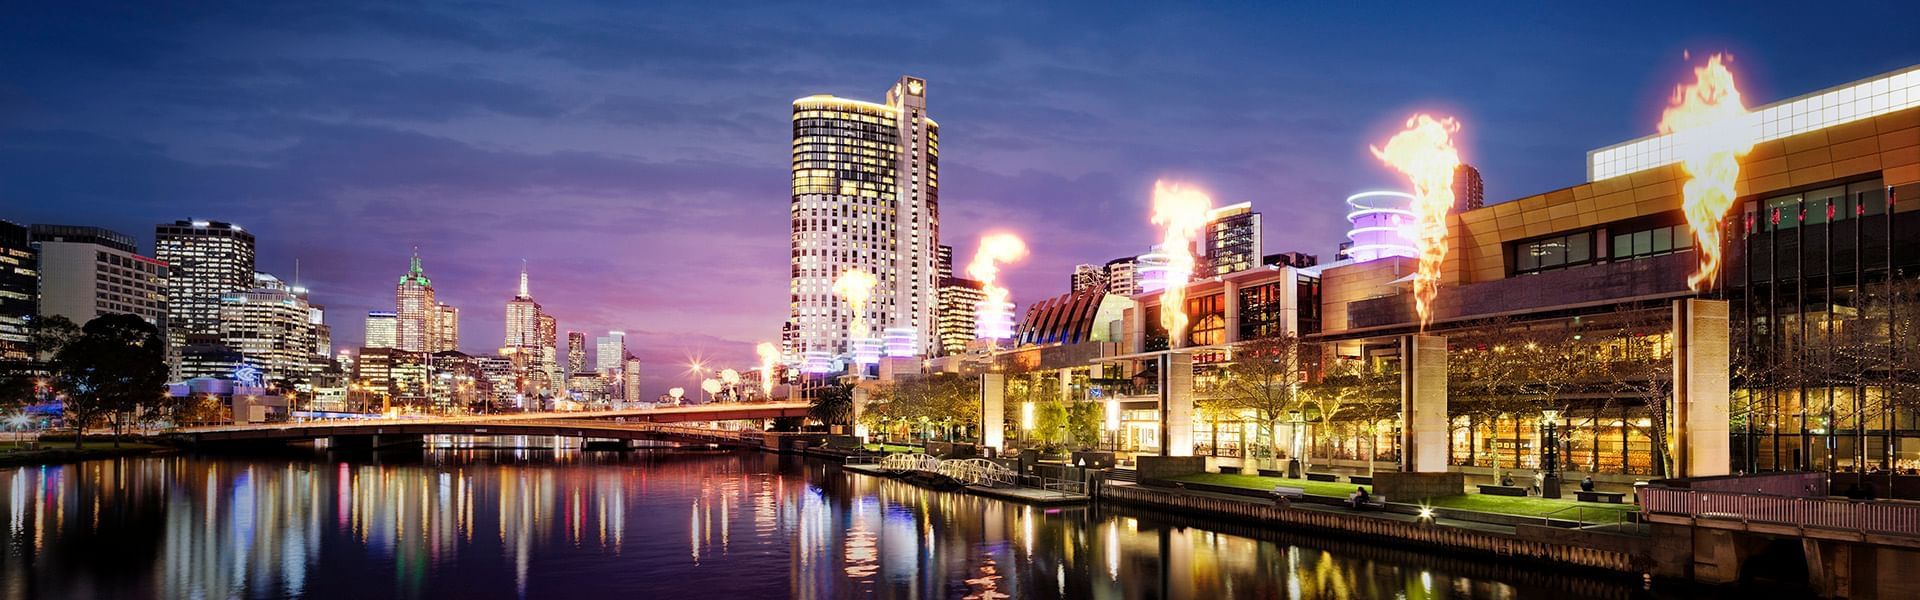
{"points": [[1505, 479], [1586, 484], [1358, 499]]}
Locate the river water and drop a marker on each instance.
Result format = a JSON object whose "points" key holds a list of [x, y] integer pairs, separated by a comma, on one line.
{"points": [[652, 524]]}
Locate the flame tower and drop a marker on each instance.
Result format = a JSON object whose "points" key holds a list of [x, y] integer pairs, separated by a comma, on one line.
{"points": [[866, 196]]}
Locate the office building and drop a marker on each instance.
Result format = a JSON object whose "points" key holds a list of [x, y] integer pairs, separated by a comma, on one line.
{"points": [[1291, 259], [19, 296], [610, 350], [1120, 277], [1087, 277], [416, 312], [1230, 242], [630, 379], [446, 328], [576, 353], [205, 259], [523, 317], [383, 329], [946, 261], [86, 272], [959, 298], [865, 196], [272, 327]]}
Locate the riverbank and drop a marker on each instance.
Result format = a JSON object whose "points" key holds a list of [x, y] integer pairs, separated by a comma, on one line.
{"points": [[61, 452], [1585, 548]]}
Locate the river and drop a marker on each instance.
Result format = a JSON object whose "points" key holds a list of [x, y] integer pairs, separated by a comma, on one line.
{"points": [[479, 523]]}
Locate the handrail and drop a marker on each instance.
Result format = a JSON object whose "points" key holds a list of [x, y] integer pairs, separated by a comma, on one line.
{"points": [[1867, 516]]}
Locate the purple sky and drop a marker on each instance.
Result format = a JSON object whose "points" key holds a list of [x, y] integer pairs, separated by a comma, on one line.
{"points": [[636, 154]]}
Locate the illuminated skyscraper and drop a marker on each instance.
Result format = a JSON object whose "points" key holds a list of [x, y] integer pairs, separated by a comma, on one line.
{"points": [[417, 312], [609, 351], [576, 353], [1469, 192], [523, 317], [865, 196], [630, 379], [1230, 242], [383, 329], [19, 293], [205, 259], [1120, 277], [446, 328], [958, 300], [273, 328]]}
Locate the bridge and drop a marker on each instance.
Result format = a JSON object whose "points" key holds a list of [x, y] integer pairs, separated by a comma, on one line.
{"points": [[1726, 529], [655, 424]]}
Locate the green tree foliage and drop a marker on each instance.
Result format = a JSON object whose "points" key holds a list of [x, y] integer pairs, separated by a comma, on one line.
{"points": [[116, 368]]}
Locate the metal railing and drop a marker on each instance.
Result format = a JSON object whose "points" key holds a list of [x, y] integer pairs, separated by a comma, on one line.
{"points": [[1878, 517]]}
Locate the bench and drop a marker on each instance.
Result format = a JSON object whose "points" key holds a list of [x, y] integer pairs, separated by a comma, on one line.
{"points": [[1607, 497], [1328, 477], [1360, 479], [1371, 503], [1291, 493], [1502, 490]]}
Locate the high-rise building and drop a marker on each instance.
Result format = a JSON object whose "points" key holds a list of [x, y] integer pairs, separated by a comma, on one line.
{"points": [[19, 294], [446, 328], [1469, 192], [523, 317], [86, 272], [205, 259], [1120, 277], [609, 351], [1298, 260], [946, 261], [1231, 241], [272, 327], [416, 309], [865, 196], [576, 353], [383, 329], [958, 300], [630, 379], [549, 361], [1086, 277]]}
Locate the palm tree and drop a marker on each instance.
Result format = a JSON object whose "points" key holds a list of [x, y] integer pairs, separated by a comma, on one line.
{"points": [[833, 405]]}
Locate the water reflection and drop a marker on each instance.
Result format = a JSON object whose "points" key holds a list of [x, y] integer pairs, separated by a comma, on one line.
{"points": [[514, 523]]}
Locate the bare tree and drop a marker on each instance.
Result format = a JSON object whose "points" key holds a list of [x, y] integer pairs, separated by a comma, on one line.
{"points": [[1263, 376]]}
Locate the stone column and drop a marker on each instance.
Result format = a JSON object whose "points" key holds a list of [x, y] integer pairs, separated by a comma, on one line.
{"points": [[1136, 329], [1176, 404], [861, 394], [993, 411], [1698, 413], [1423, 404]]}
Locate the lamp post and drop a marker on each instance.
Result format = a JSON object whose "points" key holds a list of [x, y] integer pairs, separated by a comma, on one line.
{"points": [[1026, 421], [1550, 453], [1299, 421]]}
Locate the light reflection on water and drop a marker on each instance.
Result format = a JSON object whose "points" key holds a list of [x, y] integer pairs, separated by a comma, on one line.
{"points": [[486, 524]]}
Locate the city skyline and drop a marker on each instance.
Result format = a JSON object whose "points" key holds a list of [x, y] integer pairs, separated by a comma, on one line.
{"points": [[480, 166]]}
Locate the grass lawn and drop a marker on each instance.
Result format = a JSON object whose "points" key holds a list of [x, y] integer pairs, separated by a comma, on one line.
{"points": [[895, 449], [1257, 482], [1532, 507]]}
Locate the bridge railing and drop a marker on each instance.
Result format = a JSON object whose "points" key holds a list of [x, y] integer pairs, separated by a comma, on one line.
{"points": [[1888, 518]]}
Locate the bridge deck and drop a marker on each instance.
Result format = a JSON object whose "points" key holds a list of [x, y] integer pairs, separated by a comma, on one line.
{"points": [[575, 424]]}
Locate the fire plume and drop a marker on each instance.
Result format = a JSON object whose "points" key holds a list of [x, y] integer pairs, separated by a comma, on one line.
{"points": [[769, 356], [1424, 152], [856, 287], [1711, 130], [1181, 212], [994, 316]]}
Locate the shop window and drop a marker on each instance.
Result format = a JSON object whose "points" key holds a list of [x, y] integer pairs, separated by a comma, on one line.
{"points": [[1652, 242], [1552, 253]]}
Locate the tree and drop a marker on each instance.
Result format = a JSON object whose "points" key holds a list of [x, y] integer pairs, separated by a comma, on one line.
{"points": [[1264, 376], [833, 405], [114, 368]]}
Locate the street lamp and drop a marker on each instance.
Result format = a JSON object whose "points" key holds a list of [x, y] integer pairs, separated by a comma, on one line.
{"points": [[1299, 421], [1026, 420], [1550, 452]]}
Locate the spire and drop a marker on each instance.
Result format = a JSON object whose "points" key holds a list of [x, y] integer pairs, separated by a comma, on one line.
{"points": [[523, 280], [415, 274]]}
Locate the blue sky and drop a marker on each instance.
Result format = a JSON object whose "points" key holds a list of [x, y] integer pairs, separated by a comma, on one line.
{"points": [[635, 154]]}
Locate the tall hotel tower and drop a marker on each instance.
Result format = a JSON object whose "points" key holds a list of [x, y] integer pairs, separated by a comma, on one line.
{"points": [[866, 195], [205, 259]]}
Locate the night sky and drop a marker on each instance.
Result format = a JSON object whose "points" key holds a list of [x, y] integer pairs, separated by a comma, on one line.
{"points": [[636, 155]]}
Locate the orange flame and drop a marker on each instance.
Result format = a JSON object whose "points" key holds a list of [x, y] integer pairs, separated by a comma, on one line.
{"points": [[769, 355], [1711, 130], [856, 287], [1182, 212], [995, 248], [1424, 152]]}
